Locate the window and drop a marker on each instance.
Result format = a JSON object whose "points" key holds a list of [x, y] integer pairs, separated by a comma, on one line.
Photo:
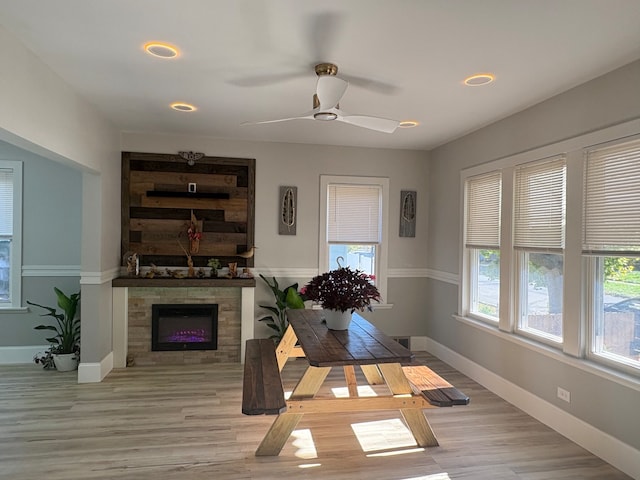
{"points": [[10, 228], [482, 242], [567, 256], [611, 242], [353, 223], [539, 229]]}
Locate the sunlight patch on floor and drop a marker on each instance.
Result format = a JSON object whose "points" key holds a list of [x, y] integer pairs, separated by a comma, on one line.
{"points": [[363, 391], [383, 435], [435, 476], [303, 441]]}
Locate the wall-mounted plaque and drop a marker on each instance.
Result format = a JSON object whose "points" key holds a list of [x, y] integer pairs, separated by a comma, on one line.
{"points": [[408, 213], [288, 210]]}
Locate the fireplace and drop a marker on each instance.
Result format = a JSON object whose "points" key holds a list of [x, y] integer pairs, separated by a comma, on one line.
{"points": [[178, 327]]}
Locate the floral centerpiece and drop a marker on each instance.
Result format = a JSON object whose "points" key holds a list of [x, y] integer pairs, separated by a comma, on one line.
{"points": [[343, 291]]}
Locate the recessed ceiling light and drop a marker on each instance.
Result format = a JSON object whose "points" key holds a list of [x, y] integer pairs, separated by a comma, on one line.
{"points": [[183, 107], [408, 124], [479, 79], [162, 50]]}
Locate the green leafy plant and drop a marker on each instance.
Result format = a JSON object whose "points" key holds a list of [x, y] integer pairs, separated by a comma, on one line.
{"points": [[342, 289], [286, 299], [67, 328]]}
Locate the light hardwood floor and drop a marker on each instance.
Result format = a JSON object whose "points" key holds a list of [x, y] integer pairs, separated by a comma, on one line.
{"points": [[185, 422]]}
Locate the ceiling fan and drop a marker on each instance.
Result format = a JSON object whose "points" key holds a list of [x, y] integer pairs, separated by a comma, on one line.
{"points": [[329, 92]]}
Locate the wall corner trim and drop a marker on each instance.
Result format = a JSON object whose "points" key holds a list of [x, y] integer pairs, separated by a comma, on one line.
{"points": [[94, 372]]}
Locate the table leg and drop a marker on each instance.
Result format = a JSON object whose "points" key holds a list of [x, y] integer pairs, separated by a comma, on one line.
{"points": [[286, 345], [284, 424], [414, 417], [350, 377]]}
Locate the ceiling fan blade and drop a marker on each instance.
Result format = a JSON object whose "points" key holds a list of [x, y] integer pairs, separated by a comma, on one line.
{"points": [[330, 90], [305, 116], [372, 85], [323, 29], [372, 123]]}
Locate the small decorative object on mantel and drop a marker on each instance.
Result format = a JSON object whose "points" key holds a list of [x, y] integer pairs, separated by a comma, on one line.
{"points": [[246, 273], [288, 210], [201, 273], [175, 273], [191, 157], [215, 265], [233, 270], [341, 292], [133, 264], [408, 213], [153, 272], [247, 254]]}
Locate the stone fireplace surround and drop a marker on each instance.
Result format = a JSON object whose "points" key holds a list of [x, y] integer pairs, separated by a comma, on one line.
{"points": [[132, 301]]}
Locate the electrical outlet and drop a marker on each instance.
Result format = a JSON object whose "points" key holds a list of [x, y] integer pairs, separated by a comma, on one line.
{"points": [[564, 394]]}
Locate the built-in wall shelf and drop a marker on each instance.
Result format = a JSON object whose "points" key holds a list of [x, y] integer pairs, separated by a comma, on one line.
{"points": [[156, 193], [165, 198]]}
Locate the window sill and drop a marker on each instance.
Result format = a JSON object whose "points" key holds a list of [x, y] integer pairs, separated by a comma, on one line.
{"points": [[14, 310], [584, 364]]}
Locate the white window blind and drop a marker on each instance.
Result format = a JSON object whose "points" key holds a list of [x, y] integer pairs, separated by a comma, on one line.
{"points": [[539, 210], [483, 211], [353, 214], [6, 202], [611, 213]]}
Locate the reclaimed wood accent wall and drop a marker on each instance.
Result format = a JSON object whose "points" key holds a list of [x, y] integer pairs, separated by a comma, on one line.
{"points": [[159, 205]]}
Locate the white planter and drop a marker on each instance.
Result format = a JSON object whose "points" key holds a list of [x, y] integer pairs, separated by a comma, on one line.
{"points": [[337, 320], [65, 362]]}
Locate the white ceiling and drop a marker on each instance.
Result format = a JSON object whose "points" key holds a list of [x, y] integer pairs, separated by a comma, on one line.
{"points": [[249, 60]]}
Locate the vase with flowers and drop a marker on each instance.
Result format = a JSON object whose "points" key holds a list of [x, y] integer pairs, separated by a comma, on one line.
{"points": [[341, 292]]}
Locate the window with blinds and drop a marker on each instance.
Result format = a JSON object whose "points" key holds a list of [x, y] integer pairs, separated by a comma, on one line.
{"points": [[483, 211], [6, 202], [353, 214], [353, 225], [540, 205], [8, 287], [611, 207]]}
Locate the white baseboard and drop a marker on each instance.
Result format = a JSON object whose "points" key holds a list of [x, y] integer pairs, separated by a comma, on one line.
{"points": [[94, 372], [611, 450], [22, 354]]}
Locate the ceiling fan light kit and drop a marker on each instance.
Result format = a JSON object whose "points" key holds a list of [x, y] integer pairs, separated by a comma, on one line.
{"points": [[326, 108]]}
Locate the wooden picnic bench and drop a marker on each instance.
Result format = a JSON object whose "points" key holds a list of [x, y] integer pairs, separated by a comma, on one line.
{"points": [[413, 388], [262, 391]]}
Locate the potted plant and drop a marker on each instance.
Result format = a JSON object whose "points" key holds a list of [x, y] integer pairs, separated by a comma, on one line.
{"points": [[214, 264], [285, 299], [341, 292], [64, 352]]}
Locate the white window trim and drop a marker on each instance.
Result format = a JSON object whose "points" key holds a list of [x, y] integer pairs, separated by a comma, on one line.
{"points": [[576, 321], [382, 254], [16, 244]]}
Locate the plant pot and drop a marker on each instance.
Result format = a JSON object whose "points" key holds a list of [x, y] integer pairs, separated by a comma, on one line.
{"points": [[65, 362], [337, 320]]}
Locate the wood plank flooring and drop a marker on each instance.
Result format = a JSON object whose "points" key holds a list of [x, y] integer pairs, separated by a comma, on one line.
{"points": [[185, 422]]}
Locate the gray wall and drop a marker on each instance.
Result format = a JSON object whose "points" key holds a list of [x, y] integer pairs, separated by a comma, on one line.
{"points": [[301, 165], [603, 102], [51, 230]]}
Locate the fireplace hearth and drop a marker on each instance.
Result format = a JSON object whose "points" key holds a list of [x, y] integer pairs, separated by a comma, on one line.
{"points": [[179, 327]]}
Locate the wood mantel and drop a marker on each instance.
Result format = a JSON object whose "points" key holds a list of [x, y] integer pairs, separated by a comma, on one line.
{"points": [[182, 282]]}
